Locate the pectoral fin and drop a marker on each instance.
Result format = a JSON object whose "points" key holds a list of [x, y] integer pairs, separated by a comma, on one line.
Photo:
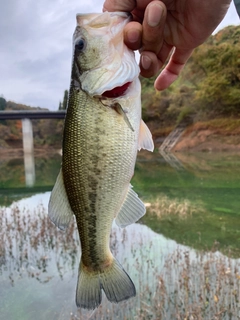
{"points": [[59, 209], [145, 140], [131, 211], [120, 110]]}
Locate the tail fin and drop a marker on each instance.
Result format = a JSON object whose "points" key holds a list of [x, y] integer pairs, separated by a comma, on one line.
{"points": [[114, 280]]}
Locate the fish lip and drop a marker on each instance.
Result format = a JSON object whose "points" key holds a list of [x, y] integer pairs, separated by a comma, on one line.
{"points": [[118, 91], [96, 14]]}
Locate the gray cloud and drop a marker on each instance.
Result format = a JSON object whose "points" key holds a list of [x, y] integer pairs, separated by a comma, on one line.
{"points": [[36, 48], [231, 18]]}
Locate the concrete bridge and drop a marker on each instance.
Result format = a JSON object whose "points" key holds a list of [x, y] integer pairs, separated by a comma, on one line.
{"points": [[32, 114], [27, 132], [26, 116]]}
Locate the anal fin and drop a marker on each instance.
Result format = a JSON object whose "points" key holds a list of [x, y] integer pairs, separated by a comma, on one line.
{"points": [[131, 210], [59, 210]]}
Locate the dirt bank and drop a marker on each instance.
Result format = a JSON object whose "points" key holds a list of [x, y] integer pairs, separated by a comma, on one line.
{"points": [[207, 141], [216, 135]]}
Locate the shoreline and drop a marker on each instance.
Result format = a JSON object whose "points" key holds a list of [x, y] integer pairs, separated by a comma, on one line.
{"points": [[18, 152], [207, 141], [201, 143], [219, 135]]}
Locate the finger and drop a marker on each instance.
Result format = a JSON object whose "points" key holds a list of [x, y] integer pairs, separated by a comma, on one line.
{"points": [[164, 53], [116, 5], [149, 64], [133, 35], [172, 70], [153, 26], [152, 39]]}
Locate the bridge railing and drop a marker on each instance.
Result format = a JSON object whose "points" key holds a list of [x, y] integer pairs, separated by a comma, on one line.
{"points": [[31, 114]]}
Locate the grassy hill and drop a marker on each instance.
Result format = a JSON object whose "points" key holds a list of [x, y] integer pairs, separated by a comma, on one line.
{"points": [[208, 88]]}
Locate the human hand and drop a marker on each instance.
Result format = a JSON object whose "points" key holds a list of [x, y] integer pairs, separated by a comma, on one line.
{"points": [[158, 27]]}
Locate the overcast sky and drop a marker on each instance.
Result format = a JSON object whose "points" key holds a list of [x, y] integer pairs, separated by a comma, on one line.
{"points": [[36, 47]]}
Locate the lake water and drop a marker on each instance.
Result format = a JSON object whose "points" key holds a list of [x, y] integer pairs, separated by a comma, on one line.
{"points": [[184, 255]]}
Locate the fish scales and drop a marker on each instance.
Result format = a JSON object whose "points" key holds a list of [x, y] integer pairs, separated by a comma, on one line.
{"points": [[102, 132], [96, 170]]}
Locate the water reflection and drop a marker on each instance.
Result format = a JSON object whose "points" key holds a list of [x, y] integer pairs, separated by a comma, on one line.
{"points": [[39, 265], [28, 240], [183, 278], [208, 183], [19, 178], [29, 168]]}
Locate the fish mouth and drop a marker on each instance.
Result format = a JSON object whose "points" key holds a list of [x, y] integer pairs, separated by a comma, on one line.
{"points": [[117, 91], [113, 68]]}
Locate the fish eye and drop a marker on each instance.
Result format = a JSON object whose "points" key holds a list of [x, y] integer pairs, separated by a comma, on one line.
{"points": [[80, 44]]}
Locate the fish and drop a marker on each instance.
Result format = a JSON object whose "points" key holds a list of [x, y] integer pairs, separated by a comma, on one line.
{"points": [[103, 132]]}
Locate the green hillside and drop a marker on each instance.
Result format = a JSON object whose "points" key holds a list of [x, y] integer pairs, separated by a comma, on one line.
{"points": [[208, 87]]}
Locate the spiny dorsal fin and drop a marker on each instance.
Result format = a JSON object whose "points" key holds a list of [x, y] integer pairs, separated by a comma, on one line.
{"points": [[145, 140], [59, 209], [131, 211]]}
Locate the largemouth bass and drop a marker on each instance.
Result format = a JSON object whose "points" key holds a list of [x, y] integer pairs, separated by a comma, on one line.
{"points": [[102, 133]]}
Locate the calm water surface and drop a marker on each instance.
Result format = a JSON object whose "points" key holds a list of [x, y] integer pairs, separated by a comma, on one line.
{"points": [[185, 262]]}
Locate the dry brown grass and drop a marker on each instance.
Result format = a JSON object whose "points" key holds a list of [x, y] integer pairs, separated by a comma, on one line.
{"points": [[164, 206], [175, 283]]}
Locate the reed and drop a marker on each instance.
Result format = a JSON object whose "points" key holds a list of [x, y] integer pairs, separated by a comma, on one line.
{"points": [[176, 282], [164, 206]]}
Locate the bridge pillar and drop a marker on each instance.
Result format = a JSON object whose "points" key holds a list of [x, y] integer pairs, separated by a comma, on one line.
{"points": [[27, 133], [28, 149]]}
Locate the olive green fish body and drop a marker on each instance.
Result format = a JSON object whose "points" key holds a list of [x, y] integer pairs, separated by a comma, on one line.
{"points": [[99, 153], [103, 131]]}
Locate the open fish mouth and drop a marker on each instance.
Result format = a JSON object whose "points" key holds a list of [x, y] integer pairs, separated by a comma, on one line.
{"points": [[113, 69], [117, 91], [111, 81]]}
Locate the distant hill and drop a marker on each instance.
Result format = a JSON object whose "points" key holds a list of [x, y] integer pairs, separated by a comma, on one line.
{"points": [[47, 132], [208, 87]]}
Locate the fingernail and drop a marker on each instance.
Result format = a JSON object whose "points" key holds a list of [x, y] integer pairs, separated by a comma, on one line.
{"points": [[133, 36], [154, 14], [145, 62]]}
